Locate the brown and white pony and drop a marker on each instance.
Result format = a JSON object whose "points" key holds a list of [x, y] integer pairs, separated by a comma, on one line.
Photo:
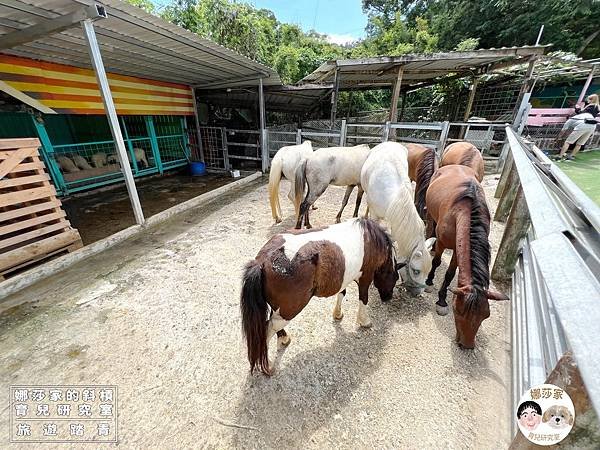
{"points": [[456, 202], [422, 163], [464, 154], [293, 267]]}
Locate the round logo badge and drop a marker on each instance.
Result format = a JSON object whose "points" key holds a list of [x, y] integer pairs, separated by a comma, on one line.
{"points": [[545, 414]]}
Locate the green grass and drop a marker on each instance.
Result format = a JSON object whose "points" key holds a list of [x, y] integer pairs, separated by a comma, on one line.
{"points": [[585, 172]]}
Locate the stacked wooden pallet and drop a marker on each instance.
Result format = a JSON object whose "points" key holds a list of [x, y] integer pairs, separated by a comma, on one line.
{"points": [[33, 226]]}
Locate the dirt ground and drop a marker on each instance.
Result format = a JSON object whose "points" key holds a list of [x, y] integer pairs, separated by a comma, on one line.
{"points": [[159, 317], [104, 212]]}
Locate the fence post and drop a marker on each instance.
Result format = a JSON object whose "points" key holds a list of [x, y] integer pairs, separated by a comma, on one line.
{"points": [[225, 148], [386, 131], [343, 133], [505, 172], [508, 195], [48, 150], [298, 136], [515, 230], [129, 146], [153, 142], [443, 137]]}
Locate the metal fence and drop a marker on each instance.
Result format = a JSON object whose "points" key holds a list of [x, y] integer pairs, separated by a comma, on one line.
{"points": [[551, 250]]}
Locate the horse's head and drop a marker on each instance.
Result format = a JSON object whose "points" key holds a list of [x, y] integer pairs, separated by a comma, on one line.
{"points": [[386, 277], [471, 307], [415, 272]]}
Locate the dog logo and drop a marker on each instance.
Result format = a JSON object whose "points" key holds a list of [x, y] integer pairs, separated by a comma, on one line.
{"points": [[545, 414]]}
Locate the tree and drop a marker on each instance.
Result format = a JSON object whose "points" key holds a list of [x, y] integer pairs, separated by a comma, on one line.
{"points": [[146, 5], [567, 25]]}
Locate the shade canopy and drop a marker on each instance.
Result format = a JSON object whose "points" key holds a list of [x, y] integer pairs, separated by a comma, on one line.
{"points": [[132, 42]]}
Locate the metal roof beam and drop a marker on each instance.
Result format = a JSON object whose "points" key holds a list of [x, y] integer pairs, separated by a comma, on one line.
{"points": [[229, 81], [52, 26]]}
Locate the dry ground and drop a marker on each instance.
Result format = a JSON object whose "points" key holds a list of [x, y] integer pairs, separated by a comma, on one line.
{"points": [[159, 317]]}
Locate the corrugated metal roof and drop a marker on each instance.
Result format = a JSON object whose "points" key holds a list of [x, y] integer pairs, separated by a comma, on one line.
{"points": [[381, 71], [290, 99], [132, 42]]}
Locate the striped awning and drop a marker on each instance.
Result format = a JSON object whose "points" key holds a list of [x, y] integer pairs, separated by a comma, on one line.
{"points": [[72, 90]]}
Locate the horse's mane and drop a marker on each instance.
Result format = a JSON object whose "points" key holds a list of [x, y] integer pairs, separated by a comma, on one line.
{"points": [[424, 174], [406, 224], [479, 244], [380, 238]]}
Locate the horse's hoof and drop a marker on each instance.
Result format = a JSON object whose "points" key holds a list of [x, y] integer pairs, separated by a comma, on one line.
{"points": [[441, 310], [277, 220], [338, 315], [368, 324], [308, 227], [338, 220], [313, 207], [283, 341], [429, 289]]}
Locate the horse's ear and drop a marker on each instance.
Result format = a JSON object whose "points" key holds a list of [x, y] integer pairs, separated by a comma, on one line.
{"points": [[400, 265], [493, 295], [429, 243]]}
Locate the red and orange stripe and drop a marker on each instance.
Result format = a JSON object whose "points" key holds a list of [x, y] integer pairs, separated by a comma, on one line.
{"points": [[72, 90]]}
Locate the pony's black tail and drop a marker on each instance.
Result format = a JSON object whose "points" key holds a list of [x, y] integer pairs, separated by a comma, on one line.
{"points": [[424, 174], [254, 317]]}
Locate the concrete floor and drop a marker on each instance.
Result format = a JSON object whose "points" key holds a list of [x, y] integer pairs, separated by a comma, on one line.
{"points": [[159, 317], [103, 212]]}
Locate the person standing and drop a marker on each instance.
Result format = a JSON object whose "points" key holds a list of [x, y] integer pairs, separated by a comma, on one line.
{"points": [[583, 124]]}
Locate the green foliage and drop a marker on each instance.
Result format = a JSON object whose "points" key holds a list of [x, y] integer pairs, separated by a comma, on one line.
{"points": [[146, 5], [569, 26], [256, 34], [467, 45]]}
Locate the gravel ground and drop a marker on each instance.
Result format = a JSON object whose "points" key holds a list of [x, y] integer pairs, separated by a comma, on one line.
{"points": [[159, 317]]}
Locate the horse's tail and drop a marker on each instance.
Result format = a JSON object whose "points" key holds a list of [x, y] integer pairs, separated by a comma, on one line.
{"points": [[424, 173], [299, 183], [254, 317], [274, 179]]}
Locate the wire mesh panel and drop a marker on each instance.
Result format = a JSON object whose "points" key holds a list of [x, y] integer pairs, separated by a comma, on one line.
{"points": [[364, 133], [212, 144], [139, 145], [87, 165], [171, 139], [278, 139]]}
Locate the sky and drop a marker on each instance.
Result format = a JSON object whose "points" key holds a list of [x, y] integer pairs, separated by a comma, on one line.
{"points": [[342, 20]]}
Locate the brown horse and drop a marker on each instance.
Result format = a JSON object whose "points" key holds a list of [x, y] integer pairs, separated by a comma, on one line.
{"points": [[293, 267], [456, 202], [422, 163], [464, 154]]}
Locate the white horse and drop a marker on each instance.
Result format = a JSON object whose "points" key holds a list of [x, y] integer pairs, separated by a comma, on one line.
{"points": [[285, 162], [339, 166], [385, 180]]}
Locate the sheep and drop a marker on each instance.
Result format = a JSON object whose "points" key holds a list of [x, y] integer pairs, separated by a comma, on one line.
{"points": [[81, 162], [99, 159], [66, 164]]}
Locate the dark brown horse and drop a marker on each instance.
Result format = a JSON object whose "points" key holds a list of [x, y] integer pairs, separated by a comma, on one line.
{"points": [[456, 202], [464, 154], [422, 163], [293, 267]]}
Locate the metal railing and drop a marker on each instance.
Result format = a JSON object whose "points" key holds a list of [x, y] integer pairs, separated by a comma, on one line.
{"points": [[551, 250]]}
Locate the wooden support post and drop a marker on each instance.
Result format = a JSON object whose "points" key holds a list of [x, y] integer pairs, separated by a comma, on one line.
{"points": [[471, 99], [508, 195], [586, 85], [334, 97], [516, 228], [298, 136], [505, 171], [396, 95]]}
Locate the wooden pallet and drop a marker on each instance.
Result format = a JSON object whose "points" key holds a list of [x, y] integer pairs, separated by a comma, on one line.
{"points": [[33, 225]]}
